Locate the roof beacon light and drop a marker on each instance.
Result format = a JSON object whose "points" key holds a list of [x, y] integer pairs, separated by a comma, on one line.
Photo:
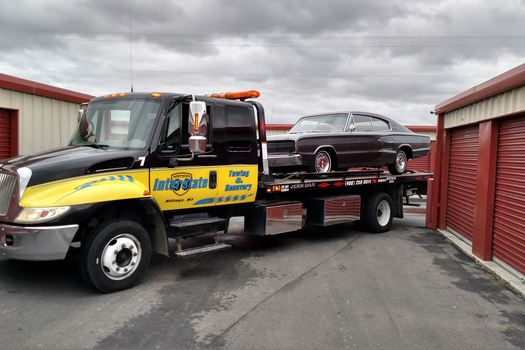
{"points": [[238, 95]]}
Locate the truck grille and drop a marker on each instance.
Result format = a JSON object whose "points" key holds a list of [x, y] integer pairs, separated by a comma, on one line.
{"points": [[7, 186], [281, 146]]}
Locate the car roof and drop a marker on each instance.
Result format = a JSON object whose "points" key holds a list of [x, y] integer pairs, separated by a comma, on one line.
{"points": [[393, 124]]}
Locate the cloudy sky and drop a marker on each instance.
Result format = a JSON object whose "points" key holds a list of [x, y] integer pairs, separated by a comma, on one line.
{"points": [[398, 58]]}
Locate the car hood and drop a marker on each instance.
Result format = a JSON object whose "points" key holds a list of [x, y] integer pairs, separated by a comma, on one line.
{"points": [[71, 161]]}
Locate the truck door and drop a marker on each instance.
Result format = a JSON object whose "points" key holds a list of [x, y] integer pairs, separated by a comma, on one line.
{"points": [[237, 179], [176, 182]]}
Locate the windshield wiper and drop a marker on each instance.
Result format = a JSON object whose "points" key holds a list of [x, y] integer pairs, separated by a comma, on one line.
{"points": [[95, 145]]}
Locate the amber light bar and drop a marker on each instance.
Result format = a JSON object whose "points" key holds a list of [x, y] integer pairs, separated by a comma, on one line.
{"points": [[238, 95]]}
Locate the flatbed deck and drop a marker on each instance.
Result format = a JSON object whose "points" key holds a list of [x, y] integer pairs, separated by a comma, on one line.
{"points": [[295, 182]]}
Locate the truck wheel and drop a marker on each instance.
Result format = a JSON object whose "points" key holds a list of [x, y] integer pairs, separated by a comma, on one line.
{"points": [[400, 164], [377, 213], [115, 255]]}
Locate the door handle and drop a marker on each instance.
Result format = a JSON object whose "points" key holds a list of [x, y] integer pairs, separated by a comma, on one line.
{"points": [[213, 179]]}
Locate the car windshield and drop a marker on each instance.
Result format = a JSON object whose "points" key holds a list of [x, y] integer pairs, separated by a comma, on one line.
{"points": [[121, 123], [320, 123]]}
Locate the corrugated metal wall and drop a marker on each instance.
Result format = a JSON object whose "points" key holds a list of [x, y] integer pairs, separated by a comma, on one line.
{"points": [[505, 103], [270, 131], [509, 206], [462, 172], [43, 122]]}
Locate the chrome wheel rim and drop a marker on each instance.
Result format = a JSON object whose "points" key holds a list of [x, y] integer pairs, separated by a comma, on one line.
{"points": [[121, 256], [401, 162], [383, 213], [323, 163]]}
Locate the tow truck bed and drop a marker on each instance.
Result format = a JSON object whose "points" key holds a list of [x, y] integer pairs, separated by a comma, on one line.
{"points": [[300, 182]]}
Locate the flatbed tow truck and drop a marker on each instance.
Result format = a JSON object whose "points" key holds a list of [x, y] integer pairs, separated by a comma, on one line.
{"points": [[143, 168]]}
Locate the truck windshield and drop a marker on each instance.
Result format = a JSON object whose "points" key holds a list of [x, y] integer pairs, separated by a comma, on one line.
{"points": [[120, 123], [320, 123]]}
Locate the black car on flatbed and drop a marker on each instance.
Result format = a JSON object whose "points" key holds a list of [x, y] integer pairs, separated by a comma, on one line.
{"points": [[337, 141]]}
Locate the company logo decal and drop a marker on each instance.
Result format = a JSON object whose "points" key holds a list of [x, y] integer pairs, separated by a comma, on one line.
{"points": [[180, 183], [239, 177], [223, 199]]}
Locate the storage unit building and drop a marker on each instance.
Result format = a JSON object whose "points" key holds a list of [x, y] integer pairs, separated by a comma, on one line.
{"points": [[478, 192], [277, 129], [35, 116], [423, 163]]}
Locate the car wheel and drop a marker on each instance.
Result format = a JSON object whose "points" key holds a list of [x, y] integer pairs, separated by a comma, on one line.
{"points": [[400, 164], [377, 213], [115, 255], [322, 162]]}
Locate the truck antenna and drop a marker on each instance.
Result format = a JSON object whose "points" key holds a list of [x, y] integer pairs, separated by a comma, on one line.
{"points": [[130, 48]]}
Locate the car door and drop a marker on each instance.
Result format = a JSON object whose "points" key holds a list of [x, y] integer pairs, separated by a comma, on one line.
{"points": [[386, 150], [364, 141], [176, 180]]}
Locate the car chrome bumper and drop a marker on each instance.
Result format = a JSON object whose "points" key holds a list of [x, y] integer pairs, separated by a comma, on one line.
{"points": [[36, 243], [278, 160]]}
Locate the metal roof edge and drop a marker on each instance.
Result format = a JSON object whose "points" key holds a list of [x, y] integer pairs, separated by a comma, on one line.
{"points": [[422, 128], [32, 87], [503, 82]]}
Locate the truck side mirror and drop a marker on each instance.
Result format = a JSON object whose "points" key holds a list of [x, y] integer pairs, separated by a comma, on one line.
{"points": [[197, 127]]}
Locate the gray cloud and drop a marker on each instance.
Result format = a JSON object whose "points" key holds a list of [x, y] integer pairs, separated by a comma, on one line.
{"points": [[399, 58]]}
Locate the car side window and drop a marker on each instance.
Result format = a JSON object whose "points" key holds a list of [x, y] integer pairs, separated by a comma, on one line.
{"points": [[362, 123], [379, 125]]}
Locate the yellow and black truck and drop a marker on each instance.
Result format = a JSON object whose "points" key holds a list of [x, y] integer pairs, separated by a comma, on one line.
{"points": [[143, 168]]}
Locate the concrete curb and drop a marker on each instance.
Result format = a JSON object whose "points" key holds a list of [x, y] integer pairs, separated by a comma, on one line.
{"points": [[510, 280]]}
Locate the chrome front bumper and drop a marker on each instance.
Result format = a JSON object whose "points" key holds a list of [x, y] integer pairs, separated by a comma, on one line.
{"points": [[283, 160], [36, 243]]}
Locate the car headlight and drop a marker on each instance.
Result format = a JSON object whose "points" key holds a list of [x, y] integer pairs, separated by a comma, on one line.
{"points": [[24, 175], [38, 215]]}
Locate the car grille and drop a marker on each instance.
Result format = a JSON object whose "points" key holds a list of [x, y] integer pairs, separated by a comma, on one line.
{"points": [[281, 146], [7, 186]]}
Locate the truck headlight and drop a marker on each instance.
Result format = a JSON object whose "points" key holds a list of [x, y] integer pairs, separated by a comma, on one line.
{"points": [[24, 177], [38, 215]]}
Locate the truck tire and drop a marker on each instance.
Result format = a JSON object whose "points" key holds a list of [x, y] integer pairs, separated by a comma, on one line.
{"points": [[377, 212], [115, 255]]}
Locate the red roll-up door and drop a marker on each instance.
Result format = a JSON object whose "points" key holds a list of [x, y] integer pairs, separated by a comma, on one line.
{"points": [[508, 242], [461, 196], [420, 164], [5, 134]]}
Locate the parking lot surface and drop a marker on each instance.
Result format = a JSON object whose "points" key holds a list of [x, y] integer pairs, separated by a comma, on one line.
{"points": [[334, 288]]}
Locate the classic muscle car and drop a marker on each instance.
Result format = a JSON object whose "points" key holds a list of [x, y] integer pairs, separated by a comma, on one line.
{"points": [[337, 141]]}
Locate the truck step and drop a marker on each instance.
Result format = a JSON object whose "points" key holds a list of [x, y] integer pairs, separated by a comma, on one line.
{"points": [[197, 226], [210, 248]]}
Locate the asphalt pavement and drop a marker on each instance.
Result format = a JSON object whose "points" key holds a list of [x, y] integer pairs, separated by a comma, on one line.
{"points": [[334, 288]]}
